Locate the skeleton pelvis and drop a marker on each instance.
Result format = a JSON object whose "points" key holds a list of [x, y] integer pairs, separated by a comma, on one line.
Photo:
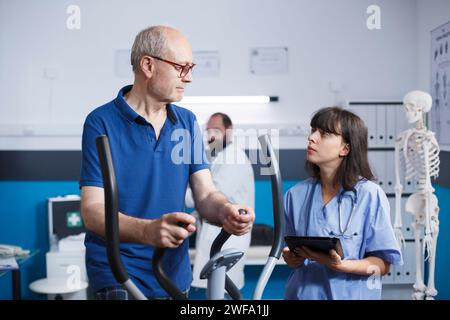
{"points": [[416, 206]]}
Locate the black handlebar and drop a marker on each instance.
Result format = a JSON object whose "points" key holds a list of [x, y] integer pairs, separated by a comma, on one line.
{"points": [[163, 279], [221, 239], [111, 209]]}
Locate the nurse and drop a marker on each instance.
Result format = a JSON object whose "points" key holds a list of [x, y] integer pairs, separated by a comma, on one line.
{"points": [[339, 200]]}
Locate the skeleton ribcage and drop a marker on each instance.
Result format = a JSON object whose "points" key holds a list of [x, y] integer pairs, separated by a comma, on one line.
{"points": [[414, 163]]}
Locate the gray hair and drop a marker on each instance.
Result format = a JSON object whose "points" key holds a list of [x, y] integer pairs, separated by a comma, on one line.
{"points": [[150, 41]]}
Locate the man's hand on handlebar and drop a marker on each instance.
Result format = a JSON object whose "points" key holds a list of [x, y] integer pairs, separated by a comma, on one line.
{"points": [[235, 223], [170, 230]]}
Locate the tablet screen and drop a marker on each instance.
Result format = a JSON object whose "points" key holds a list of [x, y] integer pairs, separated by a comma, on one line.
{"points": [[319, 244]]}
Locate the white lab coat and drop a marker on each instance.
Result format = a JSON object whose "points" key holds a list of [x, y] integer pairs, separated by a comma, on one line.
{"points": [[232, 174]]}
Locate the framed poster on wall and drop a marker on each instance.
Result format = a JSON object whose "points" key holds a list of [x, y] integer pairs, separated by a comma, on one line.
{"points": [[440, 84]]}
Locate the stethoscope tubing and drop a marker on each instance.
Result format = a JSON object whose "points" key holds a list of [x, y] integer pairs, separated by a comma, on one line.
{"points": [[341, 196]]}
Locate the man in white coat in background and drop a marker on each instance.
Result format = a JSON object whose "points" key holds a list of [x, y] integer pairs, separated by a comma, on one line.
{"points": [[232, 174]]}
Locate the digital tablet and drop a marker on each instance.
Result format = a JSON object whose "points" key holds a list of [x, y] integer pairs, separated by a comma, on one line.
{"points": [[320, 244]]}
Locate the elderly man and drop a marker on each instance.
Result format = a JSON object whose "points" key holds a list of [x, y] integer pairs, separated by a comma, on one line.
{"points": [[145, 131]]}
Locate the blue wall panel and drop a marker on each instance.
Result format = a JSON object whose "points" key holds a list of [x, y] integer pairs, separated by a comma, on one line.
{"points": [[23, 222], [442, 256]]}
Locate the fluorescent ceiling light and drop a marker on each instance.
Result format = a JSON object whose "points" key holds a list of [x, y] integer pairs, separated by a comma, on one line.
{"points": [[229, 99]]}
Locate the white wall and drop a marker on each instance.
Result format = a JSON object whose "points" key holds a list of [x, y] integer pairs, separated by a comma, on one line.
{"points": [[327, 40]]}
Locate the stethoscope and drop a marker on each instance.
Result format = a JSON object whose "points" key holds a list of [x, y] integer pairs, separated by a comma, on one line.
{"points": [[342, 194]]}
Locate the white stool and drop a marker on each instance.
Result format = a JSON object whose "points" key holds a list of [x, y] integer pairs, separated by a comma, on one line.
{"points": [[56, 286]]}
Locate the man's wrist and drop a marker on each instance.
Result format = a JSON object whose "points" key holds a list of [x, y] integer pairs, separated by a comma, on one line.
{"points": [[223, 211], [147, 231]]}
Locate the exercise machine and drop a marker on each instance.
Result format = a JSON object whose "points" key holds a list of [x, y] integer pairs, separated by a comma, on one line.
{"points": [[220, 262]]}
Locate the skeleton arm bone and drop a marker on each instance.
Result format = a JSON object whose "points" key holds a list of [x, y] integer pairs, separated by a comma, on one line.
{"points": [[398, 193]]}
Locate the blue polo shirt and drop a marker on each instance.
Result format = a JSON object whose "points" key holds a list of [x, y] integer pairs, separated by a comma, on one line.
{"points": [[152, 176]]}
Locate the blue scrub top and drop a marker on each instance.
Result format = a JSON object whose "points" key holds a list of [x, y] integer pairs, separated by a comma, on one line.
{"points": [[152, 176], [369, 233]]}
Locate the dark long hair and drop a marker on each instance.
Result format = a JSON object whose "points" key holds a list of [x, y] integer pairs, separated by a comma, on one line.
{"points": [[354, 132]]}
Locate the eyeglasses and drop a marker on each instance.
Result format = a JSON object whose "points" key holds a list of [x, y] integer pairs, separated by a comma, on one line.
{"points": [[184, 69]]}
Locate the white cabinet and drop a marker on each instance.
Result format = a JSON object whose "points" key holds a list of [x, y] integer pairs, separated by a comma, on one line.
{"points": [[67, 266]]}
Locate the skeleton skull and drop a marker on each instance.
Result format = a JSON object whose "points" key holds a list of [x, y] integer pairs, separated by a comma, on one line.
{"points": [[416, 104]]}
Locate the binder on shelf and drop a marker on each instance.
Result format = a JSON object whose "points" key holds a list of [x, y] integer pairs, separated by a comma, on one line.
{"points": [[391, 125], [380, 125]]}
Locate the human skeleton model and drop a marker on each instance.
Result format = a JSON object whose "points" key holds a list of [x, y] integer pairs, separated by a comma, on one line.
{"points": [[418, 151]]}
